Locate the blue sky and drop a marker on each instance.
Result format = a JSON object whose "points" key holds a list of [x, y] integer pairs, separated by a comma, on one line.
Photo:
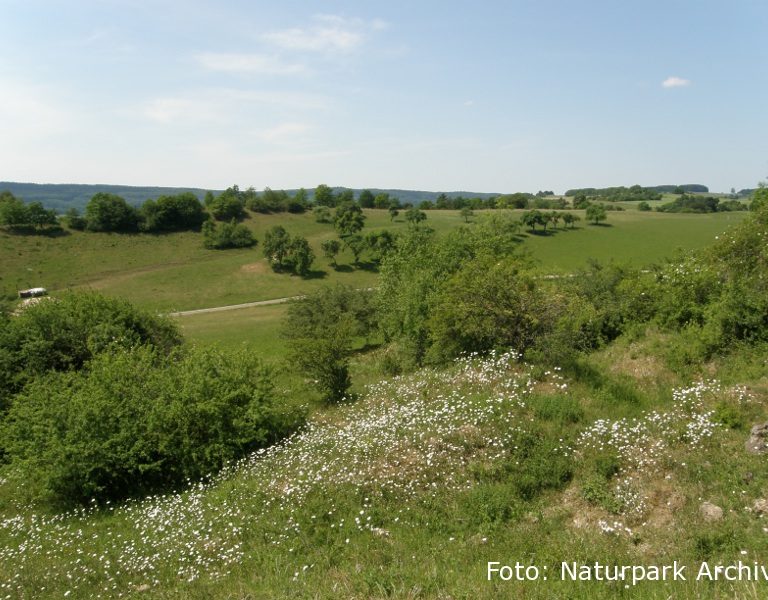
{"points": [[486, 96]]}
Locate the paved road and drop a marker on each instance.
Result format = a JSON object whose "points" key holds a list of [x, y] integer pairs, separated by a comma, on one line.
{"points": [[201, 311]]}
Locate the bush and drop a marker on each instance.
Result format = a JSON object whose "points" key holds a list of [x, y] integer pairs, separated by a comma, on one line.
{"points": [[227, 235], [136, 421], [63, 334]]}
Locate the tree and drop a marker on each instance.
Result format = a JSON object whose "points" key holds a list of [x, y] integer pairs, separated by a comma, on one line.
{"points": [[414, 216], [108, 212], [489, 303], [382, 200], [226, 235], [299, 256], [643, 206], [570, 219], [276, 245], [393, 212], [759, 197], [380, 243], [532, 218], [331, 249], [366, 199], [73, 220], [596, 213], [320, 330], [356, 244], [284, 252], [324, 196], [349, 219], [228, 205], [172, 213], [467, 212]]}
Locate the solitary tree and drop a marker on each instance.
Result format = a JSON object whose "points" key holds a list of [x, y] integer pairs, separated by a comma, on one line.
{"points": [[467, 212], [349, 219], [415, 216], [393, 212], [596, 213], [331, 249]]}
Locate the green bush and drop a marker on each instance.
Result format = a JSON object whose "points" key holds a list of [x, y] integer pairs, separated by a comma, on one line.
{"points": [[136, 421], [63, 334]]}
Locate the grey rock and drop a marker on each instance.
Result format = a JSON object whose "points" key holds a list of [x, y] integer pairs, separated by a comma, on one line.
{"points": [[758, 439]]}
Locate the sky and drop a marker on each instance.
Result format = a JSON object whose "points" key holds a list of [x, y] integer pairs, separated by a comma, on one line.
{"points": [[483, 96]]}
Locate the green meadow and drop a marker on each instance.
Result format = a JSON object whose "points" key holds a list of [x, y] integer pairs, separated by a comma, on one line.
{"points": [[174, 272]]}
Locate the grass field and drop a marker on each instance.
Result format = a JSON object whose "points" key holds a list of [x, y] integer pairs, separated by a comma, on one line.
{"points": [[174, 272]]}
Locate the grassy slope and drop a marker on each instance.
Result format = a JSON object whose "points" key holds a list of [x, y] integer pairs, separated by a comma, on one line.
{"points": [[413, 490]]}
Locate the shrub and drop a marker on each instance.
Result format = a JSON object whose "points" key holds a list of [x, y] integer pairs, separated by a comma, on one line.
{"points": [[226, 235], [63, 334], [136, 421]]}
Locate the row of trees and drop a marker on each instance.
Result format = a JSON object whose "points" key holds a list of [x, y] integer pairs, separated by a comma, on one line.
{"points": [[18, 216], [111, 213]]}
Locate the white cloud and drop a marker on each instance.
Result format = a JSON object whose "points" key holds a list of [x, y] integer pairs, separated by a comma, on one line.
{"points": [[330, 33], [673, 82], [248, 63]]}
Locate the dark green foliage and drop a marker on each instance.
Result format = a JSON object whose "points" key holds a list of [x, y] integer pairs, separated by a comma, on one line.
{"points": [[380, 243], [228, 205], [487, 304], [300, 256], [272, 201], [172, 213], [321, 329], [643, 206], [366, 199], [227, 235], [63, 334], [349, 219], [331, 248], [634, 193], [26, 218], [596, 213], [414, 216], [108, 212], [691, 204], [137, 421], [73, 220], [276, 244], [286, 253], [324, 196], [759, 198]]}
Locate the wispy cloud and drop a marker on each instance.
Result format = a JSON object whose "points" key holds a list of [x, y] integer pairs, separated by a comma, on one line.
{"points": [[248, 63], [329, 33], [225, 105], [674, 82], [284, 132]]}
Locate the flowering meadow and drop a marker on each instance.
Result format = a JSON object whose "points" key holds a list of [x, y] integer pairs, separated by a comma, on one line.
{"points": [[405, 492]]}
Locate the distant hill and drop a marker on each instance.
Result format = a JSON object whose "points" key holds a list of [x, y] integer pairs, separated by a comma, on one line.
{"points": [[62, 196]]}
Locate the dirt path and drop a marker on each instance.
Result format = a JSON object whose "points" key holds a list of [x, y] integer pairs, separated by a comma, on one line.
{"points": [[201, 311]]}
